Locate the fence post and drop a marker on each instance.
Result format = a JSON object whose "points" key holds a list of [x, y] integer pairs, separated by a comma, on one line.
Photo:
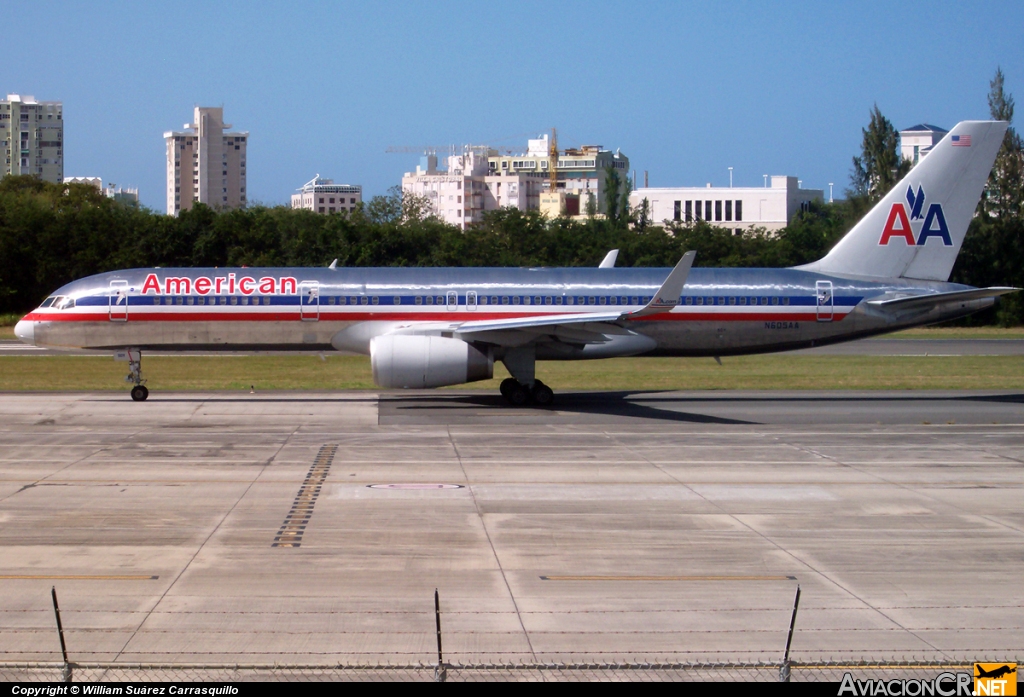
{"points": [[785, 670], [65, 674], [440, 673]]}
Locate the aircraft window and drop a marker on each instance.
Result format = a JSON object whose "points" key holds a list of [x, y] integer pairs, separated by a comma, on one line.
{"points": [[364, 300], [775, 301], [223, 300], [375, 300], [592, 300], [689, 300], [504, 300], [634, 301], [699, 301], [602, 299], [482, 300], [48, 301], [430, 299], [396, 300], [234, 299], [190, 300], [330, 300], [494, 300], [419, 300], [266, 300], [743, 300], [570, 300], [558, 299], [785, 301], [64, 303], [515, 299], [179, 300], [732, 299]]}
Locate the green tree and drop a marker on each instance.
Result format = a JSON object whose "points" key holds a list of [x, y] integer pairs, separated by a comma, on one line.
{"points": [[1004, 191], [879, 165]]}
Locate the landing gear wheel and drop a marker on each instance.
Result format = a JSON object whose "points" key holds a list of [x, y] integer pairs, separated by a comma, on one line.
{"points": [[518, 395], [542, 394], [139, 393], [506, 387]]}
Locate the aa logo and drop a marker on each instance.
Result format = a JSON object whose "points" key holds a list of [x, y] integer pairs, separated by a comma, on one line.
{"points": [[904, 217], [995, 679]]}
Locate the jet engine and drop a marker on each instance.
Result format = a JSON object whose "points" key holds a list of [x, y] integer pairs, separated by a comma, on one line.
{"points": [[427, 361]]}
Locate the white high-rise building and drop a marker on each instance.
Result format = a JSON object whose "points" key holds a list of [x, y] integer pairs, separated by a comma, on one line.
{"points": [[205, 164], [32, 137]]}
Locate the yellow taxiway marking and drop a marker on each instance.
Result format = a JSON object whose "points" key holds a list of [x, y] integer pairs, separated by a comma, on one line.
{"points": [[668, 578], [73, 577]]}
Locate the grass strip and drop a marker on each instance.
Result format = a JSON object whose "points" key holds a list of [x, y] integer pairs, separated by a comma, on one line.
{"points": [[310, 372]]}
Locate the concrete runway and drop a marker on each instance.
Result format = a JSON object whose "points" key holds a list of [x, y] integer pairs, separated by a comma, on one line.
{"points": [[670, 526]]}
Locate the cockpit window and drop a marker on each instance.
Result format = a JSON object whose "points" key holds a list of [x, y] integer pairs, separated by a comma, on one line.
{"points": [[64, 303], [48, 301]]}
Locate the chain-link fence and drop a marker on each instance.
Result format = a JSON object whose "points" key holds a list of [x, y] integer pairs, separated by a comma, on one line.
{"points": [[819, 671]]}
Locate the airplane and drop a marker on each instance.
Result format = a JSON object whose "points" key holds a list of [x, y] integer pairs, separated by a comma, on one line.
{"points": [[432, 327]]}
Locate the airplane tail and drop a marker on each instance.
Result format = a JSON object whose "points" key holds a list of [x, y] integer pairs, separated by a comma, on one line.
{"points": [[917, 229]]}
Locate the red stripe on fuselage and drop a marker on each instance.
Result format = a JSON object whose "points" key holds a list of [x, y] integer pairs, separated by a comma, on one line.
{"points": [[325, 316]]}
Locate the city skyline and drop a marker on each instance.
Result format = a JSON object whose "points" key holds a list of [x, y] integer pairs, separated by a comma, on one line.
{"points": [[686, 91]]}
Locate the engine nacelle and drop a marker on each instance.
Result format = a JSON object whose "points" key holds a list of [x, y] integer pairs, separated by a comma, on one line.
{"points": [[427, 361]]}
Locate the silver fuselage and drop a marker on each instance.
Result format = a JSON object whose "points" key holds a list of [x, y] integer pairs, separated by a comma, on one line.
{"points": [[721, 312]]}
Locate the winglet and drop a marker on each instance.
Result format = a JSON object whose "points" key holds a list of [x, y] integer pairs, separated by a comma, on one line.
{"points": [[334, 265], [609, 260], [667, 296]]}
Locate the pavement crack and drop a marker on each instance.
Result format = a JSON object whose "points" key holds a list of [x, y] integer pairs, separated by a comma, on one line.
{"points": [[203, 544], [490, 542]]}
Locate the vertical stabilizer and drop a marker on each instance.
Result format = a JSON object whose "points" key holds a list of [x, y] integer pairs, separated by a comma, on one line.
{"points": [[917, 229]]}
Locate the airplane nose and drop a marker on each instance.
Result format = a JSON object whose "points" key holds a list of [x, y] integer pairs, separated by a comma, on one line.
{"points": [[26, 331]]}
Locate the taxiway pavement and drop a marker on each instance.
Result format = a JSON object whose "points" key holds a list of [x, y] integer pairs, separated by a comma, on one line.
{"points": [[615, 527]]}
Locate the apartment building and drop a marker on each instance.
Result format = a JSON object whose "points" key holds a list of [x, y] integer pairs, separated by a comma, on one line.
{"points": [[324, 196], [126, 196], [481, 179], [206, 163], [32, 137], [740, 208]]}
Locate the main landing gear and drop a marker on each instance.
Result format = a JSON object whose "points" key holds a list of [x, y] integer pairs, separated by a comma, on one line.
{"points": [[140, 392], [523, 388], [519, 395]]}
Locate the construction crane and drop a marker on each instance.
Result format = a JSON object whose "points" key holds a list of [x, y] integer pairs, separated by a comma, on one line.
{"points": [[553, 162]]}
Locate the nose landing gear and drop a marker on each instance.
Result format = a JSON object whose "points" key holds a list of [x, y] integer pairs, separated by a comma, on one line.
{"points": [[140, 392]]}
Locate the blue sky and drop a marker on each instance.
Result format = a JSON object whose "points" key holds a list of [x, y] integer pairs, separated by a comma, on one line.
{"points": [[686, 90]]}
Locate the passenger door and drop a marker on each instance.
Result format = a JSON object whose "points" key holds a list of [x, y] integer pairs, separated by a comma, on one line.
{"points": [[309, 301], [823, 289], [117, 301]]}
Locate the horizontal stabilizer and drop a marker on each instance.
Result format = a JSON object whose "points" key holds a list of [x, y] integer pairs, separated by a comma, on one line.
{"points": [[932, 299]]}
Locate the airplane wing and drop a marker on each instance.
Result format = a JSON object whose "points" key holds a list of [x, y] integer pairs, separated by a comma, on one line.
{"points": [[581, 327], [932, 299]]}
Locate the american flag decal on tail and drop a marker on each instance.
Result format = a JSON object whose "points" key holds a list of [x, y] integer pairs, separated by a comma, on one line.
{"points": [[961, 141]]}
